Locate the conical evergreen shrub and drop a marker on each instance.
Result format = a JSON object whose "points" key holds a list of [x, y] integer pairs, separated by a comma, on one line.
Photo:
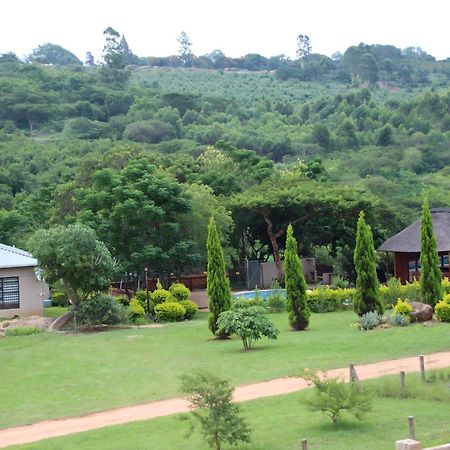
{"points": [[430, 272], [218, 286], [295, 284], [367, 296]]}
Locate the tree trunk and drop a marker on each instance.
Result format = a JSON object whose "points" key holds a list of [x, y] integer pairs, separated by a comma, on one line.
{"points": [[61, 322], [273, 241]]}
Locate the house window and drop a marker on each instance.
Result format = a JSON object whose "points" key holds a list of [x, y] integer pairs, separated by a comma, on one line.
{"points": [[9, 293]]}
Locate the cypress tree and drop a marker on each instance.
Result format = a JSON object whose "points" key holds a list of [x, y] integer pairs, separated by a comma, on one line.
{"points": [[430, 272], [367, 296], [295, 283], [218, 286]]}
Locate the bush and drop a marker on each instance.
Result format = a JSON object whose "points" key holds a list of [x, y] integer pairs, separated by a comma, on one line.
{"points": [[23, 331], [180, 292], [141, 297], [276, 302], [161, 295], [403, 307], [169, 312], [58, 298], [391, 292], [325, 299], [250, 324], [446, 285], [442, 309], [136, 312], [370, 320], [244, 302], [123, 300], [333, 396], [399, 320], [101, 309], [190, 307]]}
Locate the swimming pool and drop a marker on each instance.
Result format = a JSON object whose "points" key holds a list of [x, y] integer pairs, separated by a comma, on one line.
{"points": [[263, 294]]}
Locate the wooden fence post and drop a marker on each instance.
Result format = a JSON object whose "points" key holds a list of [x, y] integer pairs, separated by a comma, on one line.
{"points": [[353, 374], [411, 428], [304, 444], [422, 368], [402, 383]]}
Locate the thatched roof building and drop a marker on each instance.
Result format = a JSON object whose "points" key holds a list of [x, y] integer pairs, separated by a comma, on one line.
{"points": [[406, 246]]}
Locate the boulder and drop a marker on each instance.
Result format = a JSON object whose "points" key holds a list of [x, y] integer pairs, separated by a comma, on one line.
{"points": [[421, 312]]}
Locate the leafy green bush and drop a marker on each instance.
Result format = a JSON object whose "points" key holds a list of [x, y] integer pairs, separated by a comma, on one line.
{"points": [[446, 285], [325, 299], [180, 292], [170, 312], [370, 320], [442, 309], [403, 307], [23, 331], [141, 296], [333, 396], [136, 312], [123, 300], [276, 302], [58, 298], [399, 320], [250, 324], [391, 292], [101, 309], [161, 295], [190, 307]]}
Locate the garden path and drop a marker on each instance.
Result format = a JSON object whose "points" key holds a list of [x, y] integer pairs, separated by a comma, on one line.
{"points": [[53, 428]]}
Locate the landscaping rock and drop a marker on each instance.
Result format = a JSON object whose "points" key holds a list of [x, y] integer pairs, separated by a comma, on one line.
{"points": [[42, 323], [422, 312]]}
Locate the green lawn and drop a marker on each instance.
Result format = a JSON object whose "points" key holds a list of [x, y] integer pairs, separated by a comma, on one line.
{"points": [[52, 375], [55, 311], [277, 423]]}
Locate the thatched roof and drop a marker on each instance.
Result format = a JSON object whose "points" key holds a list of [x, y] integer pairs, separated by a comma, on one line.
{"points": [[408, 240]]}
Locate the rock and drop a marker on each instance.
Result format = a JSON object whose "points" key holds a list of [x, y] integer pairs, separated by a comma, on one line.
{"points": [[422, 312]]}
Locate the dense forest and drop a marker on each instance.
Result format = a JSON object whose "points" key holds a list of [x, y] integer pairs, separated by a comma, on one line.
{"points": [[144, 150]]}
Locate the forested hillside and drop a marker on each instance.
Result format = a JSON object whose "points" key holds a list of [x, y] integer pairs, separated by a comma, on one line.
{"points": [[145, 154]]}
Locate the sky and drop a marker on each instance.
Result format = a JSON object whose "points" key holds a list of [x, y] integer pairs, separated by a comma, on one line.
{"points": [[236, 27]]}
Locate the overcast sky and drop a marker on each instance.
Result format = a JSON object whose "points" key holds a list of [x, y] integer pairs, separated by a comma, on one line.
{"points": [[236, 27]]}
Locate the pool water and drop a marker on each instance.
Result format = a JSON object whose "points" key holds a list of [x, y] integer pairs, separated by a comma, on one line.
{"points": [[263, 294]]}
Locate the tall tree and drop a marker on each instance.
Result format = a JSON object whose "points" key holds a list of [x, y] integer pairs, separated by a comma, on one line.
{"points": [[367, 297], [303, 47], [295, 283], [430, 272], [74, 256], [89, 59], [218, 285], [185, 51], [114, 67]]}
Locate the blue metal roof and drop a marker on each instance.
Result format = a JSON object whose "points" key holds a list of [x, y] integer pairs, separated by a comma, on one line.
{"points": [[14, 257]]}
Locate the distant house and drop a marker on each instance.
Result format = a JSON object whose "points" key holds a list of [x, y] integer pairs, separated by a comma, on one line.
{"points": [[406, 246], [21, 292]]}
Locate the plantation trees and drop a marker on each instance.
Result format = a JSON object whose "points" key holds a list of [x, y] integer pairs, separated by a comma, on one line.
{"points": [[367, 297], [430, 272], [295, 285]]}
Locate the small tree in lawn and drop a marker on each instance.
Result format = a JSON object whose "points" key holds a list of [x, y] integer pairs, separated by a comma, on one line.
{"points": [[367, 297], [250, 324], [295, 283], [218, 286], [430, 272], [332, 396], [210, 401]]}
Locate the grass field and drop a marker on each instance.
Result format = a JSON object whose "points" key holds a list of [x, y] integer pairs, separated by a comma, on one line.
{"points": [[280, 423], [52, 375]]}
